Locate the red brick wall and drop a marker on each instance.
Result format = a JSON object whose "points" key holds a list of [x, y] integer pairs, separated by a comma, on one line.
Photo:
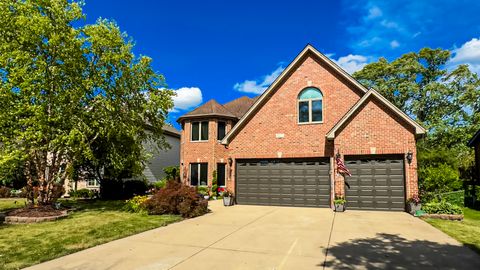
{"points": [[211, 151], [374, 129]]}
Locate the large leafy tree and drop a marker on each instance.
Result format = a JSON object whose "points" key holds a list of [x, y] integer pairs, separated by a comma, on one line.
{"points": [[443, 99], [72, 95]]}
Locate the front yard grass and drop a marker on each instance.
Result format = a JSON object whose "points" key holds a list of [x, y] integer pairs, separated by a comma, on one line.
{"points": [[91, 224], [11, 203], [466, 231]]}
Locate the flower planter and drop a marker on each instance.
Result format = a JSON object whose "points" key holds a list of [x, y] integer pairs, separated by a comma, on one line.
{"points": [[339, 208], [413, 207], [227, 201]]}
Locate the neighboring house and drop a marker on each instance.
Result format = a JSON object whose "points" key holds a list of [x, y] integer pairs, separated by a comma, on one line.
{"points": [[154, 168], [281, 147], [475, 143]]}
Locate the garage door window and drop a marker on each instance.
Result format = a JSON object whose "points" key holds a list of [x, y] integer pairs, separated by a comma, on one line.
{"points": [[198, 174], [310, 106]]}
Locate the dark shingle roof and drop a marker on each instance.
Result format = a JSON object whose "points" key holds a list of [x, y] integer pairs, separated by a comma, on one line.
{"points": [[240, 106], [170, 130], [234, 109]]}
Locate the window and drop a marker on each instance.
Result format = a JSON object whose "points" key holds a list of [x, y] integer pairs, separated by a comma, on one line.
{"points": [[221, 130], [198, 174], [221, 174], [200, 131], [310, 106], [92, 182]]}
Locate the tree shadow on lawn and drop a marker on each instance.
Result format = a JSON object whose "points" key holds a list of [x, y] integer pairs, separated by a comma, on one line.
{"points": [[388, 251]]}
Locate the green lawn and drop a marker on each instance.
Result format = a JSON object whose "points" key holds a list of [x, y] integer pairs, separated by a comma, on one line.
{"points": [[466, 231], [91, 224], [8, 204]]}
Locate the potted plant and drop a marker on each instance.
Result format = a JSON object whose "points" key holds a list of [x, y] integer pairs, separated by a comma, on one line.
{"points": [[227, 198], [339, 203], [203, 191], [414, 204]]}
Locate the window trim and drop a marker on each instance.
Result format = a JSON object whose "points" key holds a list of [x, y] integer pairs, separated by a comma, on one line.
{"points": [[97, 184], [199, 131], [310, 122], [199, 168]]}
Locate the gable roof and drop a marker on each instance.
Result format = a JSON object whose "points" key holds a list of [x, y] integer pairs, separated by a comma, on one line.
{"points": [[475, 139], [418, 129], [308, 50], [211, 108]]}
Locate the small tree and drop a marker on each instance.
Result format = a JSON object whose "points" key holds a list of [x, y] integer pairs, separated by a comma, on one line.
{"points": [[71, 93]]}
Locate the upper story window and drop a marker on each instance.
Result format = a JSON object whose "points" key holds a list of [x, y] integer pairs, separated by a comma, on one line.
{"points": [[200, 131], [310, 106], [221, 128]]}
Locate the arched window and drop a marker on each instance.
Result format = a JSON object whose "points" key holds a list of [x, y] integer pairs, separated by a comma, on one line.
{"points": [[310, 106]]}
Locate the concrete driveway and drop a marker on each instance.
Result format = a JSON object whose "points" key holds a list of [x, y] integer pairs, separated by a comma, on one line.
{"points": [[260, 237]]}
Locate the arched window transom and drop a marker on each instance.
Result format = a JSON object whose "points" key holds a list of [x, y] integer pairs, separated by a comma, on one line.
{"points": [[310, 106]]}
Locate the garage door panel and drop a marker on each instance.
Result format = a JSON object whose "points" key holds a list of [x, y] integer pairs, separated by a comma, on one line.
{"points": [[376, 183], [284, 182]]}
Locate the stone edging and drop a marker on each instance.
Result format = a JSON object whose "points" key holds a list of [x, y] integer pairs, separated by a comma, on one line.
{"points": [[443, 216], [20, 220]]}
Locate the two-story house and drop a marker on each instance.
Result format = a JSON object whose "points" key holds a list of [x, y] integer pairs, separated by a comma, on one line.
{"points": [[282, 147]]}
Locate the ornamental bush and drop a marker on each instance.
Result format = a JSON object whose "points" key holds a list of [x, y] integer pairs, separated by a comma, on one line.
{"points": [[442, 207], [136, 204], [5, 192], [82, 193], [177, 199]]}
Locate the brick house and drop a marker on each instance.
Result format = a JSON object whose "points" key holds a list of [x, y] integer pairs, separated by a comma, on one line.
{"points": [[281, 147], [475, 143]]}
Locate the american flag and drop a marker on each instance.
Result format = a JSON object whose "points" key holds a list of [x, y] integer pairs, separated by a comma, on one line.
{"points": [[341, 168]]}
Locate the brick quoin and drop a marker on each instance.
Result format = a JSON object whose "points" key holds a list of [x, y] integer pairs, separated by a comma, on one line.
{"points": [[373, 129]]}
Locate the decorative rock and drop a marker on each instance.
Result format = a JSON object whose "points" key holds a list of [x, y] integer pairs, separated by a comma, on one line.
{"points": [[443, 216], [21, 220]]}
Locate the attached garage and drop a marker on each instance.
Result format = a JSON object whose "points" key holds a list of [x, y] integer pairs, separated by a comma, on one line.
{"points": [[377, 183], [283, 182]]}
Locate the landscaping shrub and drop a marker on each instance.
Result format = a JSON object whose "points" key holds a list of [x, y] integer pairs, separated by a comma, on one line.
{"points": [[136, 204], [177, 199], [160, 184], [5, 192], [442, 207], [82, 193]]}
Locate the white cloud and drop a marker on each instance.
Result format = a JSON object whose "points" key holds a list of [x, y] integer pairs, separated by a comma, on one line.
{"points": [[258, 86], [394, 44], [468, 53], [187, 98], [351, 62], [374, 12]]}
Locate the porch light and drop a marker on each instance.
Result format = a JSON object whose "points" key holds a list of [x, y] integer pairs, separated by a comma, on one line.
{"points": [[409, 157]]}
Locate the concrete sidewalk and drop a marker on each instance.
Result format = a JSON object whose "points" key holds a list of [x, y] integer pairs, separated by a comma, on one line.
{"points": [[263, 237]]}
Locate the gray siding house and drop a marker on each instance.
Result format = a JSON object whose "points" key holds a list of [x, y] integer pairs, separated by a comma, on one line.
{"points": [[163, 158]]}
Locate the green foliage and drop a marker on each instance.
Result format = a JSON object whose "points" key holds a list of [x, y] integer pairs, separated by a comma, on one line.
{"points": [[202, 190], [172, 172], [339, 200], [160, 184], [442, 207], [439, 178], [214, 188], [73, 93], [82, 193], [136, 204]]}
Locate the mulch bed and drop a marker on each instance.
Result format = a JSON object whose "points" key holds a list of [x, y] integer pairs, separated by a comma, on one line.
{"points": [[40, 211]]}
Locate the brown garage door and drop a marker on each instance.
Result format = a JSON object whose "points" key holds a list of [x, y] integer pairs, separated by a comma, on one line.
{"points": [[283, 182], [377, 183]]}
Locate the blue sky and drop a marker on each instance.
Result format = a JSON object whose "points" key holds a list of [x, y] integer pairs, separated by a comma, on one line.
{"points": [[225, 49]]}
